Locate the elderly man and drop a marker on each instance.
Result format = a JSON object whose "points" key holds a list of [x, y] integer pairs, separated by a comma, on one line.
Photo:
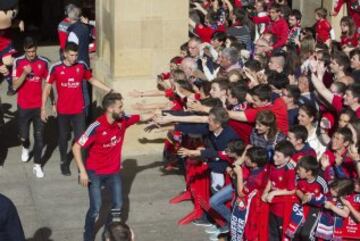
{"points": [[195, 47], [228, 60]]}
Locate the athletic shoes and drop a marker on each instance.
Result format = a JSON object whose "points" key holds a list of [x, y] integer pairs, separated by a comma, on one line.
{"points": [[65, 169], [211, 229], [25, 154], [202, 222], [37, 170]]}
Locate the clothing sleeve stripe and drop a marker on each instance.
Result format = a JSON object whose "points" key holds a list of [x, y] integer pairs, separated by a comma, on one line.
{"points": [[53, 66], [83, 63], [323, 184], [90, 130], [45, 60]]}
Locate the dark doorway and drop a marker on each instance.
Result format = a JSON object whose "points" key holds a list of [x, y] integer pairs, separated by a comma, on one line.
{"points": [[42, 17]]}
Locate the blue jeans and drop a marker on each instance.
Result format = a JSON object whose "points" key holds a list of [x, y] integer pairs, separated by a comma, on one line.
{"points": [[218, 200], [113, 182]]}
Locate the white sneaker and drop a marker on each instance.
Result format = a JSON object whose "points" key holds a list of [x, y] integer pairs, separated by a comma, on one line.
{"points": [[37, 170], [25, 154], [211, 229]]}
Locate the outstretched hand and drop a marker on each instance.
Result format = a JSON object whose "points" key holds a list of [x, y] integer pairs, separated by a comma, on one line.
{"points": [[163, 119]]}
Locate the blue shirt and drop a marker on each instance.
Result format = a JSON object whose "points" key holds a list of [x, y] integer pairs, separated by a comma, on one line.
{"points": [[215, 144]]}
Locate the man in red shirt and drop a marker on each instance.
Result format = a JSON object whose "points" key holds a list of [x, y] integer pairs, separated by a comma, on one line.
{"points": [[276, 25], [103, 139], [68, 76], [261, 95], [29, 71]]}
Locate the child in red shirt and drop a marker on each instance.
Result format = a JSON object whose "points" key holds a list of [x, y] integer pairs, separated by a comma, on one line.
{"points": [[310, 190], [322, 26], [280, 190], [349, 35], [251, 180]]}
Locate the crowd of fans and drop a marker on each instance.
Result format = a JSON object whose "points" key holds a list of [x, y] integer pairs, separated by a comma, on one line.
{"points": [[262, 117]]}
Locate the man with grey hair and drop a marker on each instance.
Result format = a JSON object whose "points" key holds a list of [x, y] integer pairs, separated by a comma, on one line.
{"points": [[72, 13], [229, 59], [188, 65], [195, 49], [191, 70]]}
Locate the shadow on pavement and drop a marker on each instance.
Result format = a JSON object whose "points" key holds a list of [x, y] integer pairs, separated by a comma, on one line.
{"points": [[8, 131], [50, 139], [42, 234]]}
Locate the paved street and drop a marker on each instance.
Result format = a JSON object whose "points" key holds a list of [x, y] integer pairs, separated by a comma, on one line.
{"points": [[53, 208]]}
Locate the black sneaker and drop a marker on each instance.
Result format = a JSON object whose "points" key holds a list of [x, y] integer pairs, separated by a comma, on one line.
{"points": [[202, 222], [65, 169]]}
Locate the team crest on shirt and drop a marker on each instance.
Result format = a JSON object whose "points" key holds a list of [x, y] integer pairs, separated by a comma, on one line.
{"points": [[119, 125], [62, 72], [77, 70], [39, 66], [280, 178], [113, 142], [104, 133]]}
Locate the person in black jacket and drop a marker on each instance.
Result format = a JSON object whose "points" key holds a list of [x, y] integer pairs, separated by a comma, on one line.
{"points": [[10, 224]]}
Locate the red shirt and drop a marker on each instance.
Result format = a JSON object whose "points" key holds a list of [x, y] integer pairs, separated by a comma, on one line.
{"points": [[243, 129], [337, 103], [256, 180], [322, 28], [204, 32], [351, 41], [69, 86], [278, 108], [346, 169], [281, 178], [5, 39], [29, 93], [177, 103], [62, 32], [317, 187], [278, 28], [351, 228], [305, 151], [104, 141]]}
